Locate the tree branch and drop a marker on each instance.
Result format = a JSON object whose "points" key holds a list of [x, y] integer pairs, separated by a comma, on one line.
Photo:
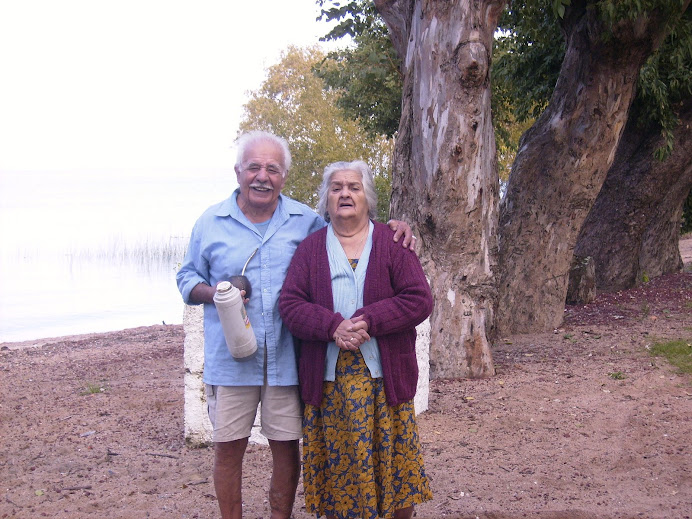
{"points": [[397, 15]]}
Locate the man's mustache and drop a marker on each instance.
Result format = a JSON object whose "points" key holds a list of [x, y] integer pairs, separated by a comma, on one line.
{"points": [[261, 185]]}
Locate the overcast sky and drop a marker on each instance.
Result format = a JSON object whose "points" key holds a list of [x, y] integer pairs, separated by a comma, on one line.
{"points": [[138, 84]]}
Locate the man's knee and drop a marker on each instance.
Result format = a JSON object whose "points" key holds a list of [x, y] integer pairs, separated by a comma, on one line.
{"points": [[229, 454]]}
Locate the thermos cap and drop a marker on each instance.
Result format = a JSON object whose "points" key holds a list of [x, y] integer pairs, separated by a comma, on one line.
{"points": [[224, 286]]}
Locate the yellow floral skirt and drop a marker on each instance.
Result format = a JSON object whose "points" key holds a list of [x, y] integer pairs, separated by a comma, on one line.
{"points": [[361, 458]]}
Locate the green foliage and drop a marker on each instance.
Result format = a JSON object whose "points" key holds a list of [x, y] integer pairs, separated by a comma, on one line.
{"points": [[354, 17], [665, 82], [528, 54], [293, 103], [677, 352], [508, 130], [366, 74], [559, 7], [527, 57], [613, 11]]}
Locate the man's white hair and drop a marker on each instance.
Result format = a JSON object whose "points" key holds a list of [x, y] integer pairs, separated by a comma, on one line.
{"points": [[252, 137]]}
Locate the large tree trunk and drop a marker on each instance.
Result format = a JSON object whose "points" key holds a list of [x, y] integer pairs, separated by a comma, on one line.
{"points": [[445, 179], [562, 163], [633, 229]]}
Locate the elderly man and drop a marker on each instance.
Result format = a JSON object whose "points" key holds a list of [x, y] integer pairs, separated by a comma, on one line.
{"points": [[257, 223]]}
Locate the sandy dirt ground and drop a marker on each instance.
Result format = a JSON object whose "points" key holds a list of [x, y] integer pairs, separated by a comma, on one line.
{"points": [[578, 423]]}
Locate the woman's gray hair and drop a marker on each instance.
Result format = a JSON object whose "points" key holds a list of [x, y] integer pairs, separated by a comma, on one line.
{"points": [[252, 137], [368, 186]]}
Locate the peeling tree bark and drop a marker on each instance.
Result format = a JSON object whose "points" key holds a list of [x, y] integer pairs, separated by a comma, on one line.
{"points": [[633, 229], [562, 163], [445, 179]]}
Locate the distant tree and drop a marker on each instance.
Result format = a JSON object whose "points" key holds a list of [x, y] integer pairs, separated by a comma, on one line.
{"points": [[292, 102]]}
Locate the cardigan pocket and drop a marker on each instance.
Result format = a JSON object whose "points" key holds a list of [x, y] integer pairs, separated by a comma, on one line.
{"points": [[310, 379], [400, 365]]}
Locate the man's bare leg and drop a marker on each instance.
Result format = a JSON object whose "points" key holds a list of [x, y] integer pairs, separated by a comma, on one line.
{"points": [[285, 474], [228, 477]]}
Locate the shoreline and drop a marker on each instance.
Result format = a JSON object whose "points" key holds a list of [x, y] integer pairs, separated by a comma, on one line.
{"points": [[46, 341], [685, 253]]}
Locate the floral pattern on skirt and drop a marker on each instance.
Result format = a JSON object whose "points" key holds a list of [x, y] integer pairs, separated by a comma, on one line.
{"points": [[361, 458]]}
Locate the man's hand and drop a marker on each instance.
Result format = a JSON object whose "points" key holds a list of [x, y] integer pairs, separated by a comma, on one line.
{"points": [[203, 293], [403, 229]]}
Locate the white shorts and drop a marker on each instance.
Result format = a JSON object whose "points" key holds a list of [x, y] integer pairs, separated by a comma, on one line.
{"points": [[232, 411]]}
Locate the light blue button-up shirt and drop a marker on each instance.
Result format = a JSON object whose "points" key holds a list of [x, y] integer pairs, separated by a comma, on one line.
{"points": [[221, 242], [347, 294]]}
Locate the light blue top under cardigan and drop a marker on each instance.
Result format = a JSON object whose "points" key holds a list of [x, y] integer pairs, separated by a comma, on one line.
{"points": [[347, 291]]}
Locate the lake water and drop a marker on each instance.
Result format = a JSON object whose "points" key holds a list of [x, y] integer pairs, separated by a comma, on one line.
{"points": [[96, 251]]}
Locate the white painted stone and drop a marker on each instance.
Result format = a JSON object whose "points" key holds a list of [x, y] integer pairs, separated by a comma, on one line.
{"points": [[197, 425], [420, 401]]}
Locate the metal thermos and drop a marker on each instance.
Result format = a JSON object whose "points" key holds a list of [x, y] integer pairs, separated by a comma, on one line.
{"points": [[235, 323]]}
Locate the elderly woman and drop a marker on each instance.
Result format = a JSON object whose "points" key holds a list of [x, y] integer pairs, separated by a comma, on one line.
{"points": [[353, 298]]}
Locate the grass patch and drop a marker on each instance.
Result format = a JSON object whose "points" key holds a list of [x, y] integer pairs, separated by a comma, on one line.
{"points": [[678, 353], [91, 389], [617, 375]]}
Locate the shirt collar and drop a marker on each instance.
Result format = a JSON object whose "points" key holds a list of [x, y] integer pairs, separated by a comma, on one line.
{"points": [[229, 207]]}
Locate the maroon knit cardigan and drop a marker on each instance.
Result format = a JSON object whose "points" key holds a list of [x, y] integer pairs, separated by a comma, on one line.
{"points": [[396, 298]]}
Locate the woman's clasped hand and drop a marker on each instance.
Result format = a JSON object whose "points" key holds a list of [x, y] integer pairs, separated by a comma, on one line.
{"points": [[351, 333]]}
